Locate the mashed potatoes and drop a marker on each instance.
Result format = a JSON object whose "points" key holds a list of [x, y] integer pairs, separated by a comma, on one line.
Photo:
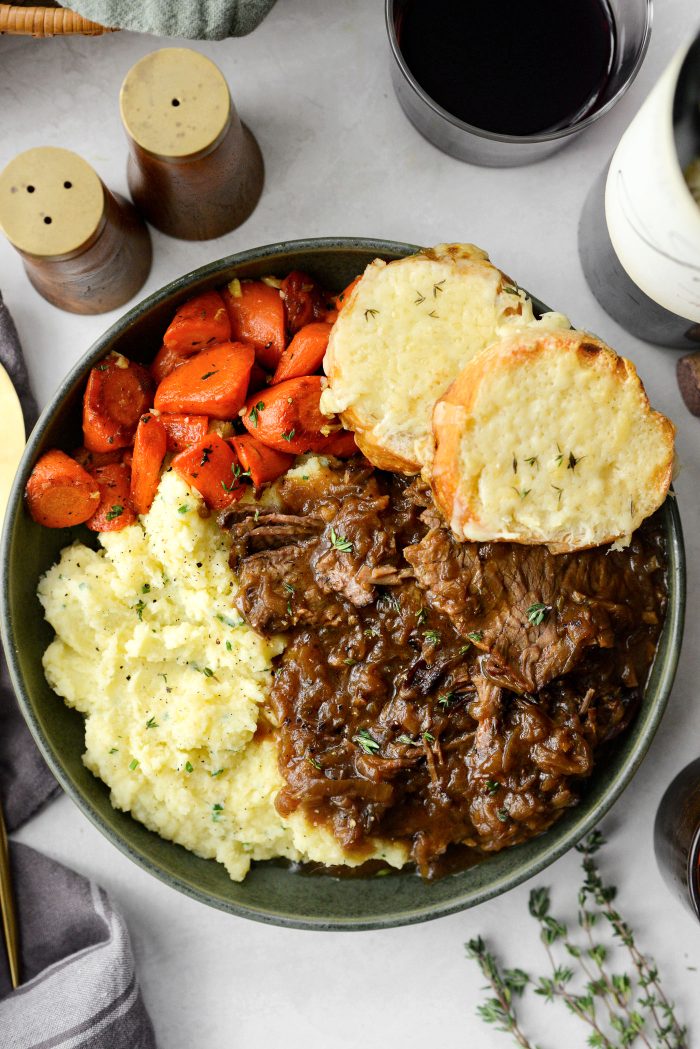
{"points": [[172, 682]]}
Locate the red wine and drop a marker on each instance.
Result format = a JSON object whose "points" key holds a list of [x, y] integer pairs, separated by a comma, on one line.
{"points": [[514, 67]]}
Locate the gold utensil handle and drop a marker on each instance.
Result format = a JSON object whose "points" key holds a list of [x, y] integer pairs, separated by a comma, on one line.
{"points": [[7, 905]]}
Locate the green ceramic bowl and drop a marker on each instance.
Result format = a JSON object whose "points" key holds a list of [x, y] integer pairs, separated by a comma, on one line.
{"points": [[272, 893]]}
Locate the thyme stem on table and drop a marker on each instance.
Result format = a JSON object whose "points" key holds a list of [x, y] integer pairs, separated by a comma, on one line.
{"points": [[620, 1009]]}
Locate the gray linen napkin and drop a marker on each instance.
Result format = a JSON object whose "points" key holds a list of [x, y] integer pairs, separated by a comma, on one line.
{"points": [[25, 781], [79, 987], [195, 20]]}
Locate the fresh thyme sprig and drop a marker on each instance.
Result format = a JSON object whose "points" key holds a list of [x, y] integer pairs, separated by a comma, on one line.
{"points": [[620, 1009], [505, 983]]}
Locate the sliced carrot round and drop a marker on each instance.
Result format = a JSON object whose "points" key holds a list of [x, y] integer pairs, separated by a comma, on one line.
{"points": [[305, 352], [198, 323], [117, 394], [115, 510], [150, 445], [59, 492], [214, 383]]}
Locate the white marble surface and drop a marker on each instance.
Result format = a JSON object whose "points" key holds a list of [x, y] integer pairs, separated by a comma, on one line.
{"points": [[313, 83]]}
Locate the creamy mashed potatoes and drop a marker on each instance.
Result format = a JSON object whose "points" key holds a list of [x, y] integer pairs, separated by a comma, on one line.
{"points": [[173, 685]]}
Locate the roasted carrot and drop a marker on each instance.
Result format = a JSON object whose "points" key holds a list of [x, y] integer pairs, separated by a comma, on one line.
{"points": [[198, 323], [115, 510], [346, 293], [262, 463], [59, 492], [256, 312], [165, 362], [304, 300], [210, 465], [117, 394], [287, 416], [184, 430], [258, 379], [305, 352], [213, 383], [341, 444], [150, 445], [90, 460]]}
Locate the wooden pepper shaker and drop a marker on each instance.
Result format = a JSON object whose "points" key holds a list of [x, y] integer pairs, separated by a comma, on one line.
{"points": [[84, 248], [194, 170]]}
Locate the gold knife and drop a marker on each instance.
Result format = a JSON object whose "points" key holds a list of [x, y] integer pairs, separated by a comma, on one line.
{"points": [[7, 906]]}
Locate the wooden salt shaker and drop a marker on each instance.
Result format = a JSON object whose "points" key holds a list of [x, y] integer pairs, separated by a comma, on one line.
{"points": [[194, 170], [84, 249]]}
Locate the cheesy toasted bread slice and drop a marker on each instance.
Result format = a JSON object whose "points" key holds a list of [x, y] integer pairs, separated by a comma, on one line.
{"points": [[549, 438], [405, 333]]}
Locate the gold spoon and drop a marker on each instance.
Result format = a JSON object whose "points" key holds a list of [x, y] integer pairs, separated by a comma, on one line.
{"points": [[7, 906]]}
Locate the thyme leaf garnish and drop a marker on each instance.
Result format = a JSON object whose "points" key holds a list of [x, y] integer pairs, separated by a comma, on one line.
{"points": [[366, 741], [339, 542], [538, 612]]}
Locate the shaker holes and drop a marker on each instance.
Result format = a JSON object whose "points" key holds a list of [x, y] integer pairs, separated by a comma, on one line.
{"points": [[175, 102]]}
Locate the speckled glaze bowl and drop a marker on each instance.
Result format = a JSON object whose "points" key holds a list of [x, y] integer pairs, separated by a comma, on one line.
{"points": [[272, 893]]}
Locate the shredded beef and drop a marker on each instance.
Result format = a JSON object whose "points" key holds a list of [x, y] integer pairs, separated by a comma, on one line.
{"points": [[438, 693]]}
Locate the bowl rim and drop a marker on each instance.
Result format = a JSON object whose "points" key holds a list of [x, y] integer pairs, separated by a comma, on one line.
{"points": [[514, 140], [555, 842]]}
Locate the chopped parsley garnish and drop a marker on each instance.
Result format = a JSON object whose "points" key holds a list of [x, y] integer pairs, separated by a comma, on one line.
{"points": [[206, 452], [207, 671], [189, 767], [114, 750], [421, 617], [502, 815], [560, 457], [449, 697], [314, 761], [229, 646], [114, 511], [289, 588], [151, 723], [254, 412], [522, 492], [134, 764], [339, 542], [288, 436], [146, 588], [492, 786], [350, 662], [139, 607], [366, 741], [537, 613], [208, 375], [476, 636], [227, 621], [432, 636], [532, 460], [182, 509], [215, 774], [216, 811]]}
